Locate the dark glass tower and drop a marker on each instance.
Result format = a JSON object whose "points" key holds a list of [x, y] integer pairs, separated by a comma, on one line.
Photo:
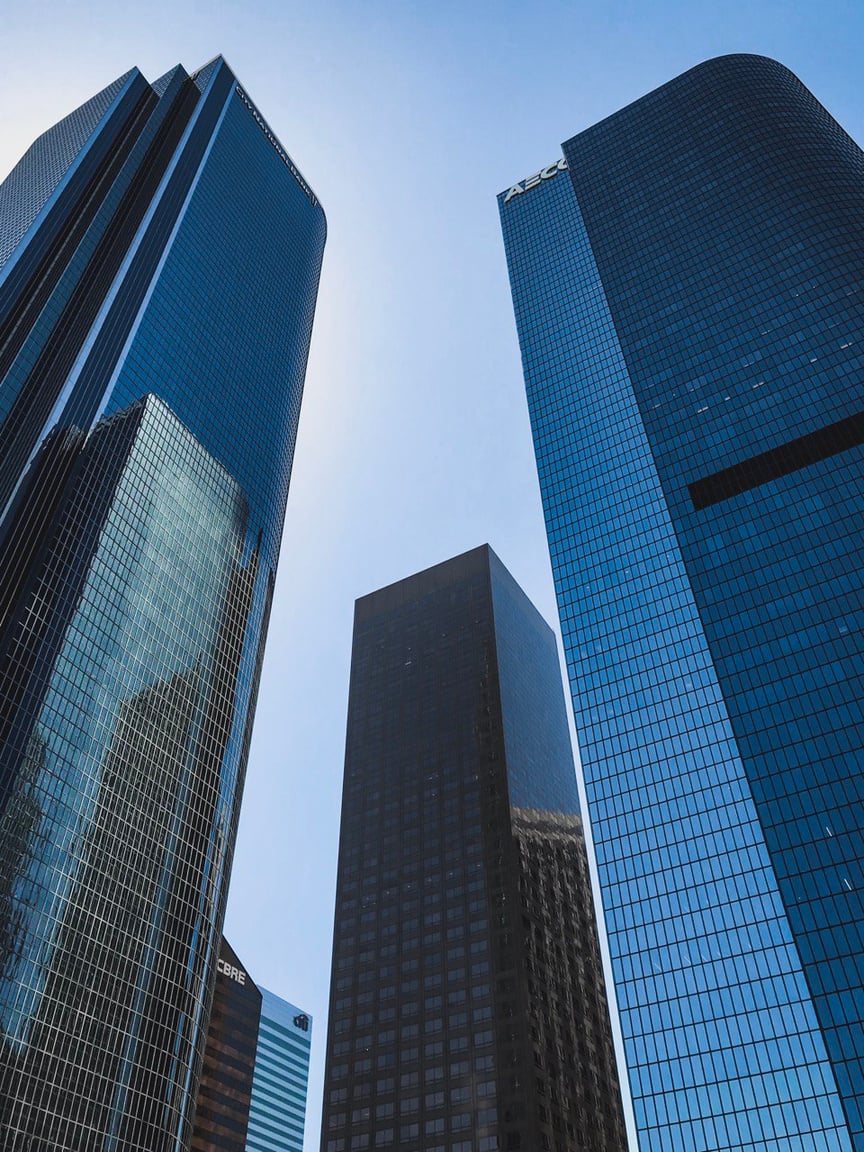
{"points": [[467, 1009], [159, 263], [691, 315], [225, 1088]]}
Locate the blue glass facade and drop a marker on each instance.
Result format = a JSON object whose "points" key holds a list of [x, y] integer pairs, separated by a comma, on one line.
{"points": [[159, 263], [277, 1113], [688, 304]]}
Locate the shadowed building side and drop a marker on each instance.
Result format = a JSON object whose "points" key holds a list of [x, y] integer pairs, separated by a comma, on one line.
{"points": [[225, 1088], [456, 1020]]}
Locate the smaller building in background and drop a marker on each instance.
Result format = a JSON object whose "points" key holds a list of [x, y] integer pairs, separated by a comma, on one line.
{"points": [[278, 1110], [222, 1108], [252, 1096]]}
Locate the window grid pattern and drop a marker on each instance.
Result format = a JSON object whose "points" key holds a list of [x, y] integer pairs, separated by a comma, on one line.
{"points": [[41, 171], [112, 823], [575, 1074], [205, 304], [277, 1114], [735, 277], [449, 1031], [205, 346], [722, 1044]]}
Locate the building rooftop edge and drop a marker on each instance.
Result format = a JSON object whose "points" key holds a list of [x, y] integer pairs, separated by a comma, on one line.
{"points": [[463, 558], [219, 59], [703, 66]]}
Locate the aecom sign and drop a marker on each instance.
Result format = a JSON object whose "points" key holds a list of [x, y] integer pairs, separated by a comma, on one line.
{"points": [[533, 181]]}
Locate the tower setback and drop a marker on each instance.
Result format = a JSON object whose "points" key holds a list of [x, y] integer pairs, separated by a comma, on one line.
{"points": [[159, 264]]}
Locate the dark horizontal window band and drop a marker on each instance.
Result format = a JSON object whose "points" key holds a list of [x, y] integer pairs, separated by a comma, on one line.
{"points": [[779, 461]]}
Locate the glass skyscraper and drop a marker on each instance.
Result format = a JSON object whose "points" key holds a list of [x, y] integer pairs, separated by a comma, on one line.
{"points": [[467, 1011], [688, 281], [159, 264], [277, 1113]]}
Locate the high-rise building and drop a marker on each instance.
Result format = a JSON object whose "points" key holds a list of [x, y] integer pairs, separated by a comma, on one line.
{"points": [[225, 1087], [252, 1093], [277, 1115], [467, 1010], [159, 263], [687, 283]]}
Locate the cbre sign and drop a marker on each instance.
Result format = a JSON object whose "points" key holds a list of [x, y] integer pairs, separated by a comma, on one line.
{"points": [[536, 179], [226, 969]]}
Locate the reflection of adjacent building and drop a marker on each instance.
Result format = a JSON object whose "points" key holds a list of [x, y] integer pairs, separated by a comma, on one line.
{"points": [[117, 694], [467, 1000], [153, 343], [252, 1096], [569, 1015]]}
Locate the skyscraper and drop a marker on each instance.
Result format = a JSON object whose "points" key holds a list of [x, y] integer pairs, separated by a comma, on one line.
{"points": [[467, 1009], [277, 1115], [159, 263], [687, 286], [225, 1087], [252, 1094]]}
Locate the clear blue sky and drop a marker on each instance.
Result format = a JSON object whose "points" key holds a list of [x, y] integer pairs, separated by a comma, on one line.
{"points": [[407, 119]]}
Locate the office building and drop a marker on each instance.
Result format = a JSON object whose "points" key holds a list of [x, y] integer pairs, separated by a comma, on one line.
{"points": [[159, 263], [225, 1087], [277, 1116], [252, 1093], [467, 1011], [687, 287]]}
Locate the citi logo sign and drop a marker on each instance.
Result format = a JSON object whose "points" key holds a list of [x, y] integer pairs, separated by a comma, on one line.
{"points": [[537, 178]]}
